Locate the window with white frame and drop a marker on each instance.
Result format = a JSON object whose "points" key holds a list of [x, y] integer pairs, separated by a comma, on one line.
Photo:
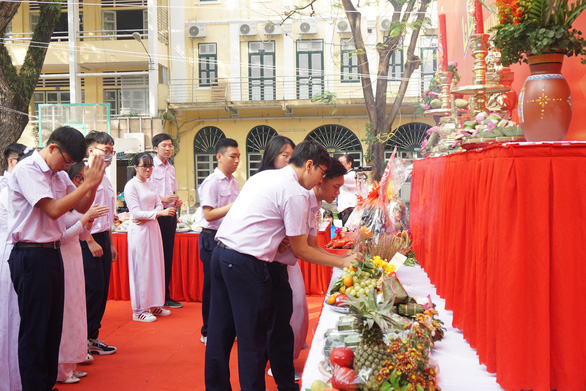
{"points": [[121, 24], [208, 64], [349, 71], [428, 54]]}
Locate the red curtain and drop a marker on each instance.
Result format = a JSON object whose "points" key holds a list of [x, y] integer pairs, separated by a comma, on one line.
{"points": [[187, 278], [500, 232]]}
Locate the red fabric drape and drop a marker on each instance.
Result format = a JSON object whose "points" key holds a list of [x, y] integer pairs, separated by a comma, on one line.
{"points": [[500, 232], [187, 278]]}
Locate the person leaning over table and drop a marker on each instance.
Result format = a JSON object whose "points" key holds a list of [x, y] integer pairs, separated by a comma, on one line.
{"points": [[326, 190], [98, 250], [271, 205], [40, 194], [165, 183], [9, 317], [216, 195], [146, 269]]}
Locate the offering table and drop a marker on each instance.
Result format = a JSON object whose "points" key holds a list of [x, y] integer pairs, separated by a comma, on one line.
{"points": [[500, 232]]}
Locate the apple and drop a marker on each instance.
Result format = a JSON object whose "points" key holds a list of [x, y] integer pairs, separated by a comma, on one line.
{"points": [[345, 379], [342, 357], [341, 300]]}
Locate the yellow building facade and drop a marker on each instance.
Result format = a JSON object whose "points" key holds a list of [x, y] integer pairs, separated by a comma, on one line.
{"points": [[225, 68]]}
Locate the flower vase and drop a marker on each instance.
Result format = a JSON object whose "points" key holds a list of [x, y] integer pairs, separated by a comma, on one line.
{"points": [[545, 101]]}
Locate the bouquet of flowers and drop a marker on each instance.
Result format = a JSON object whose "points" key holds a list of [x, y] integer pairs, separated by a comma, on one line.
{"points": [[408, 366]]}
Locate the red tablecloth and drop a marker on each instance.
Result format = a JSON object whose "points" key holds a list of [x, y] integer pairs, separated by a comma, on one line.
{"points": [[500, 232], [187, 279]]}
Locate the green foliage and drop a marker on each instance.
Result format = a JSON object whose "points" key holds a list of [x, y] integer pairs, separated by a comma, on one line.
{"points": [[537, 27], [328, 98]]}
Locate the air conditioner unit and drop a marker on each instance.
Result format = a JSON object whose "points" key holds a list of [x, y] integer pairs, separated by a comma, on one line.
{"points": [[272, 29], [308, 27], [343, 26], [247, 29], [385, 25], [196, 30]]}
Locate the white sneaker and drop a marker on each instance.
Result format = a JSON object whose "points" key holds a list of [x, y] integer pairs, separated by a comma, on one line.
{"points": [[144, 317], [71, 380], [204, 340], [89, 359], [160, 311], [79, 374]]}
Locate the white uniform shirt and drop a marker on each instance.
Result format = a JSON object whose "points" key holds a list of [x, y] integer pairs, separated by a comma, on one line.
{"points": [[31, 181], [163, 180], [348, 191], [215, 191], [287, 257], [104, 197], [272, 204]]}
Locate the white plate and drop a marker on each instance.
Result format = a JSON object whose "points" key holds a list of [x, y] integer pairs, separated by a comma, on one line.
{"points": [[342, 310], [182, 230]]}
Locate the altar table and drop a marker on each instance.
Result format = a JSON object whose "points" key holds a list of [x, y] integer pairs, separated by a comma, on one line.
{"points": [[187, 278], [501, 233], [459, 369]]}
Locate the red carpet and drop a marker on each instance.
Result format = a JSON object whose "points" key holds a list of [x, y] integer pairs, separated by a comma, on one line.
{"points": [[164, 355]]}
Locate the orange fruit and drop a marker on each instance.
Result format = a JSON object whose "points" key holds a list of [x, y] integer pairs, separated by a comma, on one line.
{"points": [[348, 280], [332, 299], [352, 268], [342, 289]]}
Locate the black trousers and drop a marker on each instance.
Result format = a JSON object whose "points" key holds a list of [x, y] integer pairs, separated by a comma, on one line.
{"points": [[97, 282], [280, 339], [37, 275], [206, 245], [240, 301], [168, 225]]}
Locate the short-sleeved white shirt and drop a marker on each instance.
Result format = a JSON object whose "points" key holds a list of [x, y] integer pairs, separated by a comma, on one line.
{"points": [[215, 191], [163, 180], [347, 197], [31, 181], [271, 205], [104, 197]]}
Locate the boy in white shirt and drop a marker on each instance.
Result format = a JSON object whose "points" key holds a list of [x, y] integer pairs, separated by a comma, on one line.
{"points": [[165, 183], [40, 194], [98, 250], [216, 195]]}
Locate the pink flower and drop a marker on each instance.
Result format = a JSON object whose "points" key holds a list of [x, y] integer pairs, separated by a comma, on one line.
{"points": [[453, 63], [424, 143], [337, 230], [490, 125], [426, 107]]}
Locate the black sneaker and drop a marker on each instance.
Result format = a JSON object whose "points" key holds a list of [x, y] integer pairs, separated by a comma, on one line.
{"points": [[172, 304], [98, 347]]}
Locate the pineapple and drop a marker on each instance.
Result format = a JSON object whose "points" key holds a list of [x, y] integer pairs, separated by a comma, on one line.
{"points": [[374, 319]]}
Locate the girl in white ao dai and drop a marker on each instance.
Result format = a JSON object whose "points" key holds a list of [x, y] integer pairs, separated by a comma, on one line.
{"points": [[145, 246]]}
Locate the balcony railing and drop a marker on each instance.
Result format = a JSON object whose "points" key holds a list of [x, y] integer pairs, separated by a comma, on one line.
{"points": [[189, 91]]}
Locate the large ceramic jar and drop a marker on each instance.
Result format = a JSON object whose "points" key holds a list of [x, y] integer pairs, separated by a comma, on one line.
{"points": [[545, 101]]}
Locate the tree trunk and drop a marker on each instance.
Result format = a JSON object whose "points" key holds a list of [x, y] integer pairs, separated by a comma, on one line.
{"points": [[17, 86]]}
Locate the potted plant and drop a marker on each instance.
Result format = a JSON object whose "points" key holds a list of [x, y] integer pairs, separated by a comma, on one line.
{"points": [[539, 32], [535, 27]]}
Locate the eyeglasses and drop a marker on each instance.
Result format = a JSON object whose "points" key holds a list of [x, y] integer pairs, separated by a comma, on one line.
{"points": [[67, 162], [112, 152], [146, 167], [323, 171], [166, 146], [78, 179]]}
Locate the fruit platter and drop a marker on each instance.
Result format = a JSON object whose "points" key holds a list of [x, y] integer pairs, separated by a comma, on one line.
{"points": [[379, 327]]}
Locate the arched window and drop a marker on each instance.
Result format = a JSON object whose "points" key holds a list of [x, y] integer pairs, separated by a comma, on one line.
{"points": [[204, 145], [256, 141], [338, 140], [407, 139]]}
